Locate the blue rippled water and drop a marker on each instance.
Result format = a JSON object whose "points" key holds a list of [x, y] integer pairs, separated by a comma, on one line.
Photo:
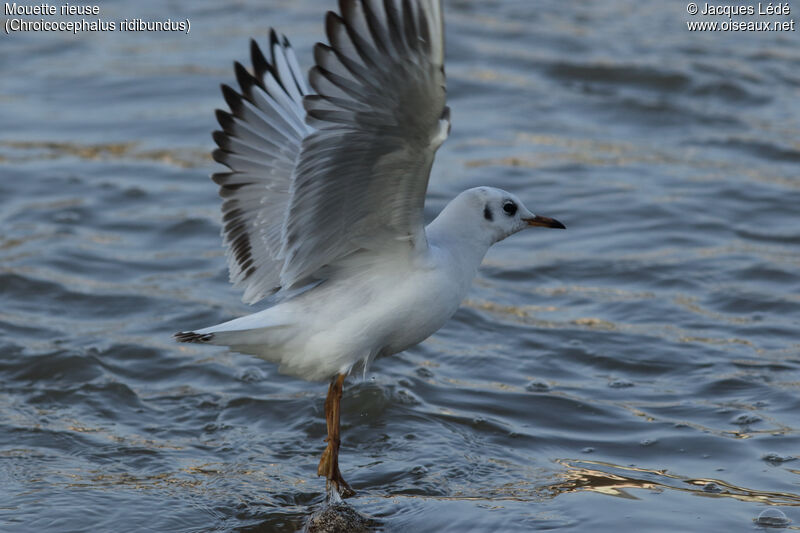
{"points": [[640, 371]]}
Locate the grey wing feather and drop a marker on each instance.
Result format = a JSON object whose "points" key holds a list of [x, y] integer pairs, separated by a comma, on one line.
{"points": [[379, 115], [260, 142]]}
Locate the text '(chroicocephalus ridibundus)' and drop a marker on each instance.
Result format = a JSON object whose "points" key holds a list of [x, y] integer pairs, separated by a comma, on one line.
{"points": [[323, 203]]}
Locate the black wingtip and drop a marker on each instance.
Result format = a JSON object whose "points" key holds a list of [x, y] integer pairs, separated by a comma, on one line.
{"points": [[225, 120], [232, 98], [239, 70], [273, 43], [221, 178], [346, 6], [222, 140], [321, 53], [191, 336], [244, 78], [332, 22], [221, 156], [260, 65]]}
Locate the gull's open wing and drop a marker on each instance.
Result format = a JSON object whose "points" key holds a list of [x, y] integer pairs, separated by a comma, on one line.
{"points": [[260, 143], [379, 115]]}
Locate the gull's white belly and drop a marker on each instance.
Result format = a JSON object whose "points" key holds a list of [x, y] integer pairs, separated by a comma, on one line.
{"points": [[354, 320]]}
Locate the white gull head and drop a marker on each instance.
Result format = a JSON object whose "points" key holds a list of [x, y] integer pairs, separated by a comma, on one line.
{"points": [[487, 215]]}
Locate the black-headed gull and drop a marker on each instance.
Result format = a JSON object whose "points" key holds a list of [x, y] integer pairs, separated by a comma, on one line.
{"points": [[323, 203]]}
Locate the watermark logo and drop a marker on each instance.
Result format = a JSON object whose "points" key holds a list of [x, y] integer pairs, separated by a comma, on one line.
{"points": [[764, 16], [74, 19]]}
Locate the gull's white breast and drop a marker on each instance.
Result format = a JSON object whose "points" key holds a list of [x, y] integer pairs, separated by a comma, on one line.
{"points": [[385, 309]]}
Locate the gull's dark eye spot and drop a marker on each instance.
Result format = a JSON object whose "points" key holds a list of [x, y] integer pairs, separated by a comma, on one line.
{"points": [[487, 213], [510, 208]]}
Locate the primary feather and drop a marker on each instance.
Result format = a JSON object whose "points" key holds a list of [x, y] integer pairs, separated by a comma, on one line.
{"points": [[260, 143]]}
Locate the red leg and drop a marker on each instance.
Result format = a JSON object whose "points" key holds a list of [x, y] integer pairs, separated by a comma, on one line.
{"points": [[329, 463]]}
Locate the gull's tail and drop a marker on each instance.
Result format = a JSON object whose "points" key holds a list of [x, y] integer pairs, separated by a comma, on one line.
{"points": [[254, 334], [268, 334]]}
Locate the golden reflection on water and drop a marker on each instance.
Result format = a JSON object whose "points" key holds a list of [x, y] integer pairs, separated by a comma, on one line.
{"points": [[523, 314], [40, 150], [216, 480], [595, 153], [611, 480], [615, 480]]}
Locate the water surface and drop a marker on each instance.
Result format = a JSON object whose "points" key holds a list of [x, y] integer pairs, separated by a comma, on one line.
{"points": [[639, 371]]}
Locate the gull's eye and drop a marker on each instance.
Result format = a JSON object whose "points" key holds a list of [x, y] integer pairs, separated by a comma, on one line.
{"points": [[510, 208]]}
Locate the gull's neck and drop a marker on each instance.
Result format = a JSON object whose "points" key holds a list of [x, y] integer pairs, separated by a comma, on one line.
{"points": [[460, 237]]}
